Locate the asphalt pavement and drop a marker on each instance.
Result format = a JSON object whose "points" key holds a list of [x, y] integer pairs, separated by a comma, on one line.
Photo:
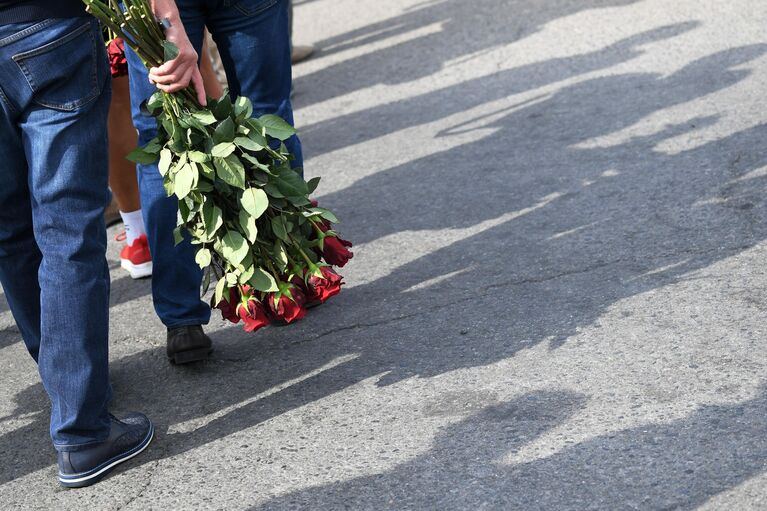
{"points": [[558, 295]]}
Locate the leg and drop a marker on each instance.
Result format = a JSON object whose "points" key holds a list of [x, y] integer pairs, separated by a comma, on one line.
{"points": [[176, 277], [212, 85], [19, 255], [57, 144], [122, 140], [255, 49], [134, 256]]}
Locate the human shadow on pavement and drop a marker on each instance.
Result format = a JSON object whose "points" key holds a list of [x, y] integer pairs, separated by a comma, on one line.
{"points": [[357, 127], [466, 28], [536, 241], [658, 466], [602, 224]]}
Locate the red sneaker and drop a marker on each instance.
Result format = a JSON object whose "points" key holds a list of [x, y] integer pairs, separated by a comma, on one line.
{"points": [[136, 258]]}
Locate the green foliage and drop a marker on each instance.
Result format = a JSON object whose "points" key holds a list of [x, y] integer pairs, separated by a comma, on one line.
{"points": [[240, 201]]}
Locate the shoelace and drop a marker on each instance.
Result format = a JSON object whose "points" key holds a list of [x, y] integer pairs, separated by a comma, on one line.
{"points": [[121, 237]]}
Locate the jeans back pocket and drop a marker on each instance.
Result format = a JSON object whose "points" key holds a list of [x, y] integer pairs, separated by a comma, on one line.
{"points": [[66, 73]]}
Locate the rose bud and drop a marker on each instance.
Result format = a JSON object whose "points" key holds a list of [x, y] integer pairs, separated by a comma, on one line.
{"points": [[229, 308], [326, 286], [253, 313], [335, 251], [116, 53], [286, 308]]}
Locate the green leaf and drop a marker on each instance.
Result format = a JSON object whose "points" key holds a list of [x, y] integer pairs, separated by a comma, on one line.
{"points": [[258, 138], [247, 274], [257, 164], [155, 101], [249, 144], [170, 50], [300, 201], [189, 121], [177, 236], [248, 225], [254, 201], [273, 191], [243, 108], [326, 214], [291, 184], [166, 158], [203, 258], [276, 127], [152, 147], [279, 229], [198, 156], [312, 184], [220, 286], [231, 279], [223, 108], [184, 180], [234, 247], [230, 170], [183, 212], [204, 186], [263, 281], [206, 169], [206, 280], [223, 149], [224, 132], [281, 255], [212, 218], [205, 117], [142, 157]]}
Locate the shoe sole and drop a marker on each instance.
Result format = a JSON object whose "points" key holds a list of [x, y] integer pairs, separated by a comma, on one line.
{"points": [[95, 475], [189, 356], [137, 271]]}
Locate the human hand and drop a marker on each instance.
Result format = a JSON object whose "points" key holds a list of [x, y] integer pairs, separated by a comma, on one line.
{"points": [[177, 74]]}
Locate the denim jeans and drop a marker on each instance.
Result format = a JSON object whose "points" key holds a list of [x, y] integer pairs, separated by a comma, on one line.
{"points": [[252, 37], [54, 99]]}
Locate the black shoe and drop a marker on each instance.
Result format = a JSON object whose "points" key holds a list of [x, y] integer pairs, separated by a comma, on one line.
{"points": [[188, 344], [127, 438]]}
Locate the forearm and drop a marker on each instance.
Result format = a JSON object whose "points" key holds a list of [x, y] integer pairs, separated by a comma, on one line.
{"points": [[166, 9]]}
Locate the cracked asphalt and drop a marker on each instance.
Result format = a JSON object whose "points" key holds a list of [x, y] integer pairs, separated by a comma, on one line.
{"points": [[558, 295]]}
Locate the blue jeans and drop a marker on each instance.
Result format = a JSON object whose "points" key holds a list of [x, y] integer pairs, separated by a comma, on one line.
{"points": [[54, 100], [253, 40]]}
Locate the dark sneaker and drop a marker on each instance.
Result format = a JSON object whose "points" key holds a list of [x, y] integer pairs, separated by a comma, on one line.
{"points": [[127, 438], [188, 344]]}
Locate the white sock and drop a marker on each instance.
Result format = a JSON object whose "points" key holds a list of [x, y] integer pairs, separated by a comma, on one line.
{"points": [[134, 225]]}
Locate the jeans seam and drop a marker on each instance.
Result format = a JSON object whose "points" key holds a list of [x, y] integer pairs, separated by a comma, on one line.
{"points": [[7, 101], [27, 31]]}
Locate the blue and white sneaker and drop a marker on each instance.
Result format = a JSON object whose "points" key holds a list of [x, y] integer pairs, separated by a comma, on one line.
{"points": [[127, 438]]}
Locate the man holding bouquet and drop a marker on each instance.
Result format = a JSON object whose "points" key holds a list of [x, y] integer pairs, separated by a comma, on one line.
{"points": [[54, 99], [254, 42]]}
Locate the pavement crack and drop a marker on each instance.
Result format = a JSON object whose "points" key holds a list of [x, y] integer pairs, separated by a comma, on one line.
{"points": [[150, 475]]}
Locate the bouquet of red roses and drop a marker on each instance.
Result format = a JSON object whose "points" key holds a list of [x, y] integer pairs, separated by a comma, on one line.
{"points": [[270, 248]]}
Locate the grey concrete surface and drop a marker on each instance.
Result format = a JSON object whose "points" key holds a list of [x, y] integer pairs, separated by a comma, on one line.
{"points": [[559, 293]]}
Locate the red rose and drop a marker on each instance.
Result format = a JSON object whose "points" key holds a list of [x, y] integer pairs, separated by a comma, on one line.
{"points": [[229, 308], [116, 53], [335, 251], [253, 314], [287, 309], [322, 288]]}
